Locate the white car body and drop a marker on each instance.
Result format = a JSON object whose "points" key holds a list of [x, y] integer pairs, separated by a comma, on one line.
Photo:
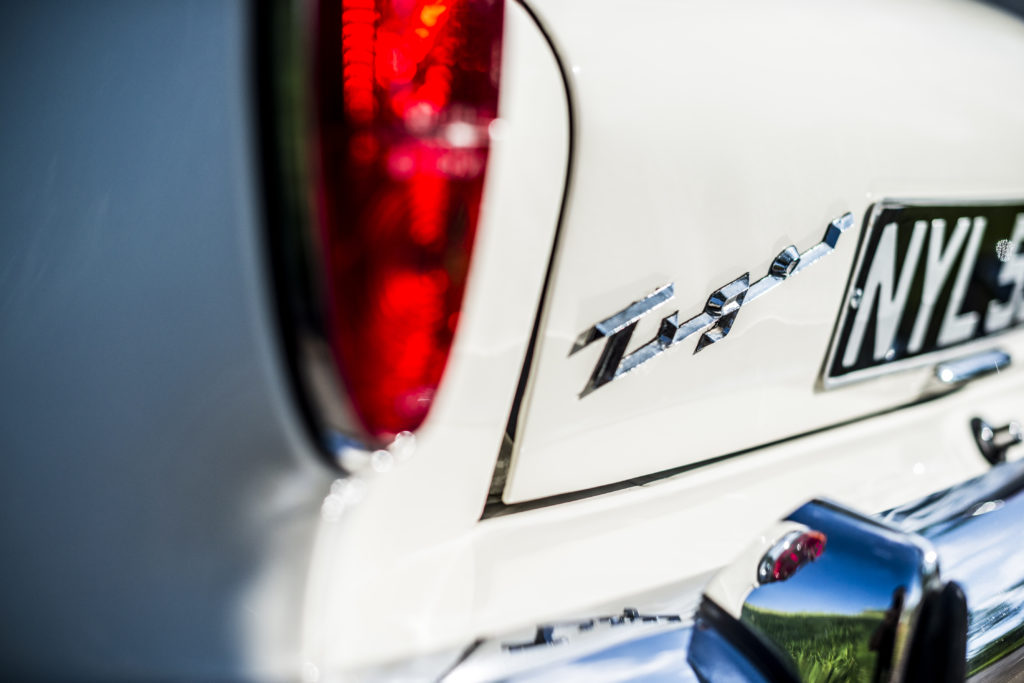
{"points": [[639, 145], [704, 142]]}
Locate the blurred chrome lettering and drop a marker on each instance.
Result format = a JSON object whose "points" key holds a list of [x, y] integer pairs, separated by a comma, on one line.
{"points": [[713, 324], [562, 632]]}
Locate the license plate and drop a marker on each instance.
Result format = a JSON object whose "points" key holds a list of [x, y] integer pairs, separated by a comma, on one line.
{"points": [[927, 280]]}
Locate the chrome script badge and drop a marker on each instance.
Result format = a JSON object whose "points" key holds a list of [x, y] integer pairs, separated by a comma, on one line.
{"points": [[713, 323]]}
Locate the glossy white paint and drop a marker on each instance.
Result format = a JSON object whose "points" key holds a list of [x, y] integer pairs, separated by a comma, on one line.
{"points": [[426, 584], [403, 565], [708, 141]]}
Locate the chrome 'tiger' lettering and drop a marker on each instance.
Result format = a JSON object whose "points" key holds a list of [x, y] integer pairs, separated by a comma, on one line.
{"points": [[713, 323]]}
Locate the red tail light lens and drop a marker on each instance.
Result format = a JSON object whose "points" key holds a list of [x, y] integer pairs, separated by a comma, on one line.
{"points": [[404, 93]]}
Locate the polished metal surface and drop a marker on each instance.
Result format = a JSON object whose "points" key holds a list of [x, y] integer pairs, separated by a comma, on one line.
{"points": [[607, 643], [626, 317], [864, 590], [713, 323], [723, 306], [967, 368], [789, 554], [994, 442], [977, 527], [930, 591], [545, 634], [608, 648], [618, 329]]}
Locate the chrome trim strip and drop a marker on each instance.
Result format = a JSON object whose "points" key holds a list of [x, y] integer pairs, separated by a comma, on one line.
{"points": [[971, 367]]}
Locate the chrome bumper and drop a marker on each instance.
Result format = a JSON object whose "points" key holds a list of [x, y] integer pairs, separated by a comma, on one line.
{"points": [[930, 591], [977, 528]]}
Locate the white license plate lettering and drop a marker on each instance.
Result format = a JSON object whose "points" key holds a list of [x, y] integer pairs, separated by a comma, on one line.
{"points": [[928, 278]]}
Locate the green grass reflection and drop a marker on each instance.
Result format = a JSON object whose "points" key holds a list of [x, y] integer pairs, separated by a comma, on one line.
{"points": [[824, 648]]}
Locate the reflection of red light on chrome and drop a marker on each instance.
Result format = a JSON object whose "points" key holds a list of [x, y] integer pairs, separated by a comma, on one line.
{"points": [[403, 89], [790, 554]]}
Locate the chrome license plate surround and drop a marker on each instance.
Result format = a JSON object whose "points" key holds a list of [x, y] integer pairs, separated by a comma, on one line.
{"points": [[998, 256]]}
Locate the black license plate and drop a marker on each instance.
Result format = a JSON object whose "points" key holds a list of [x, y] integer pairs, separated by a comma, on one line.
{"points": [[928, 278]]}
